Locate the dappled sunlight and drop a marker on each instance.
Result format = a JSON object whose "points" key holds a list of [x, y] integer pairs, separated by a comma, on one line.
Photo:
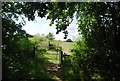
{"points": [[50, 47]]}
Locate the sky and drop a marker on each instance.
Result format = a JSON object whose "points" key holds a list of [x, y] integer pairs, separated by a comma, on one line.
{"points": [[41, 26]]}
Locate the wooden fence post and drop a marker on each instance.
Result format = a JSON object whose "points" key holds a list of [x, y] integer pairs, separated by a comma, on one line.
{"points": [[33, 51], [61, 57]]}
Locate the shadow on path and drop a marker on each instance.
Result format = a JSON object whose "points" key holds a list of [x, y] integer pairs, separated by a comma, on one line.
{"points": [[54, 70]]}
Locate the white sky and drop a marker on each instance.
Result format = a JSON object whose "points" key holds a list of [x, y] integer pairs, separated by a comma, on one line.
{"points": [[41, 26]]}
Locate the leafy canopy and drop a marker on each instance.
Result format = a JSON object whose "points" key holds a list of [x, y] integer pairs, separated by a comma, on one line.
{"points": [[99, 24]]}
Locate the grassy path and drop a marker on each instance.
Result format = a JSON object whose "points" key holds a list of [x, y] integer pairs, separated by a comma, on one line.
{"points": [[46, 65], [55, 71], [53, 67], [52, 57]]}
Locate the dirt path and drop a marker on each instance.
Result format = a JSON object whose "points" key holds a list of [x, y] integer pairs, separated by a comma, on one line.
{"points": [[55, 70]]}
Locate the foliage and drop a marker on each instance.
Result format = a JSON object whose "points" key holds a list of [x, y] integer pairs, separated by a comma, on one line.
{"points": [[50, 36], [97, 54], [17, 48], [69, 40], [62, 16], [68, 70], [39, 40], [101, 38]]}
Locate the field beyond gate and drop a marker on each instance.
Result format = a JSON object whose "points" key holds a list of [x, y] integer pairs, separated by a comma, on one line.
{"points": [[52, 56]]}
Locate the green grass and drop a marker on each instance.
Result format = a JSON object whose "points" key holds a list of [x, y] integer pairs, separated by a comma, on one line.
{"points": [[52, 57], [66, 46]]}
